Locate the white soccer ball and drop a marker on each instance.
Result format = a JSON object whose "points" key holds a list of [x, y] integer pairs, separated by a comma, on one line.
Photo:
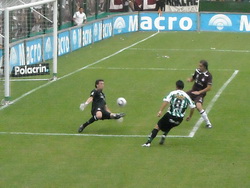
{"points": [[120, 120], [121, 101]]}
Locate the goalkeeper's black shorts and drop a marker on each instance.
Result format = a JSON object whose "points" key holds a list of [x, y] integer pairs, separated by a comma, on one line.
{"points": [[105, 113]]}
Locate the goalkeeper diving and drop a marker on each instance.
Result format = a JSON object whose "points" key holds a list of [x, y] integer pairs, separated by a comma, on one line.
{"points": [[100, 110]]}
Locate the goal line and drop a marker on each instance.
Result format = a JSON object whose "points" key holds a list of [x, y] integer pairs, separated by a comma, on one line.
{"points": [[87, 135]]}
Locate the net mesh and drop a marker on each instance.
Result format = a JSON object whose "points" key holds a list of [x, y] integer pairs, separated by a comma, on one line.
{"points": [[11, 3], [28, 22]]}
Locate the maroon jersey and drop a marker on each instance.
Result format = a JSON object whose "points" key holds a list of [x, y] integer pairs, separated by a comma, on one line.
{"points": [[201, 80]]}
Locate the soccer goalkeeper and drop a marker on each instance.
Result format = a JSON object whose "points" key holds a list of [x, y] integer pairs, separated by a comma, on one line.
{"points": [[100, 110]]}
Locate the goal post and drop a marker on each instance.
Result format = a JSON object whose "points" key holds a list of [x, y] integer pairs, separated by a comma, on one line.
{"points": [[7, 10]]}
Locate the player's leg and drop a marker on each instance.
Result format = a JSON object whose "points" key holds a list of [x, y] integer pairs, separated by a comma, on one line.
{"points": [[151, 137], [203, 114], [165, 133], [83, 126], [172, 122], [198, 102], [116, 115], [163, 137], [95, 117], [161, 125], [104, 114]]}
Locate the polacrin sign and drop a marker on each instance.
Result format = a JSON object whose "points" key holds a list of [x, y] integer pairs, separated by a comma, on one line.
{"points": [[30, 70]]}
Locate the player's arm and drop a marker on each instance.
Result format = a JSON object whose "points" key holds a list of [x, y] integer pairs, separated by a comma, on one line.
{"points": [[74, 17], [85, 104], [163, 106], [190, 79], [192, 107], [107, 109], [190, 114]]}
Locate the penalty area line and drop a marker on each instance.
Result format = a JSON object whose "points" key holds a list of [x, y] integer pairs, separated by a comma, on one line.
{"points": [[151, 69], [211, 104], [86, 135]]}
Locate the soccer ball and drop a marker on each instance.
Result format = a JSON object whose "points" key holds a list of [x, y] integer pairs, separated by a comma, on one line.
{"points": [[120, 120], [121, 101]]}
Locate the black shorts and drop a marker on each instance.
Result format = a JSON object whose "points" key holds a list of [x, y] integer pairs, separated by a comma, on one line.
{"points": [[168, 121], [160, 5], [196, 98], [105, 113]]}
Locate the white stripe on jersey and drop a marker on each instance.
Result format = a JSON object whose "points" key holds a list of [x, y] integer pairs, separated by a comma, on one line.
{"points": [[179, 101]]}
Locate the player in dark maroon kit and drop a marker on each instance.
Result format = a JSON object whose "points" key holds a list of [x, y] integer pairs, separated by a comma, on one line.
{"points": [[202, 84]]}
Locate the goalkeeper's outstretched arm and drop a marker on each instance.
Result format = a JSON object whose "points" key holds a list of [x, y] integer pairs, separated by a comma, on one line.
{"points": [[85, 104]]}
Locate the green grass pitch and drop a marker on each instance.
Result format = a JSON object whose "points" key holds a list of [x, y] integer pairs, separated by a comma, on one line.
{"points": [[40, 146]]}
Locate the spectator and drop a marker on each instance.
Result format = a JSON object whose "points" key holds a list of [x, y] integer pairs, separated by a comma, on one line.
{"points": [[79, 17], [160, 6], [131, 5]]}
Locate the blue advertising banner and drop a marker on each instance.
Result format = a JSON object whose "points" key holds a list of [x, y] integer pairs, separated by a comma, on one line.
{"points": [[48, 48], [63, 43], [107, 28], [224, 22], [76, 38], [17, 55], [97, 31], [34, 51], [87, 34], [168, 22], [125, 24]]}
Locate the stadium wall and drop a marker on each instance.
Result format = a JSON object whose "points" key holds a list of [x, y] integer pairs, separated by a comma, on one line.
{"points": [[224, 6], [40, 48]]}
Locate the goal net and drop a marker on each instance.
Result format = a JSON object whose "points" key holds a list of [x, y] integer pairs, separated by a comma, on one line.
{"points": [[28, 42]]}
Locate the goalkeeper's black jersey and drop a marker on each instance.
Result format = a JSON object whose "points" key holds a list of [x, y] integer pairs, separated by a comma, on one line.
{"points": [[99, 100]]}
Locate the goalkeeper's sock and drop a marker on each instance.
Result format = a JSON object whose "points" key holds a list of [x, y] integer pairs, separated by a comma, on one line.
{"points": [[91, 120], [152, 135]]}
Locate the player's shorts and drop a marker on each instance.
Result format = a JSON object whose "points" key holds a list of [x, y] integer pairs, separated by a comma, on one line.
{"points": [[105, 113], [196, 98], [168, 121]]}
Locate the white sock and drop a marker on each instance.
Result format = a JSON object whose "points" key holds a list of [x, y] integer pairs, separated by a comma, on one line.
{"points": [[205, 117]]}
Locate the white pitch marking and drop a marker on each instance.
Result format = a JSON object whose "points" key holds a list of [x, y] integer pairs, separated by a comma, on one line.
{"points": [[25, 80], [87, 135], [211, 104], [67, 75], [152, 69], [197, 50]]}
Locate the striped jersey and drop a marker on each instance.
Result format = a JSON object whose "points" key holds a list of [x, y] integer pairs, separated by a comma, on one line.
{"points": [[178, 103]]}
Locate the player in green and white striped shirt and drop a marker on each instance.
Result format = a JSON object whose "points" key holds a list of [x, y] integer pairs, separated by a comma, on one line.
{"points": [[178, 101]]}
